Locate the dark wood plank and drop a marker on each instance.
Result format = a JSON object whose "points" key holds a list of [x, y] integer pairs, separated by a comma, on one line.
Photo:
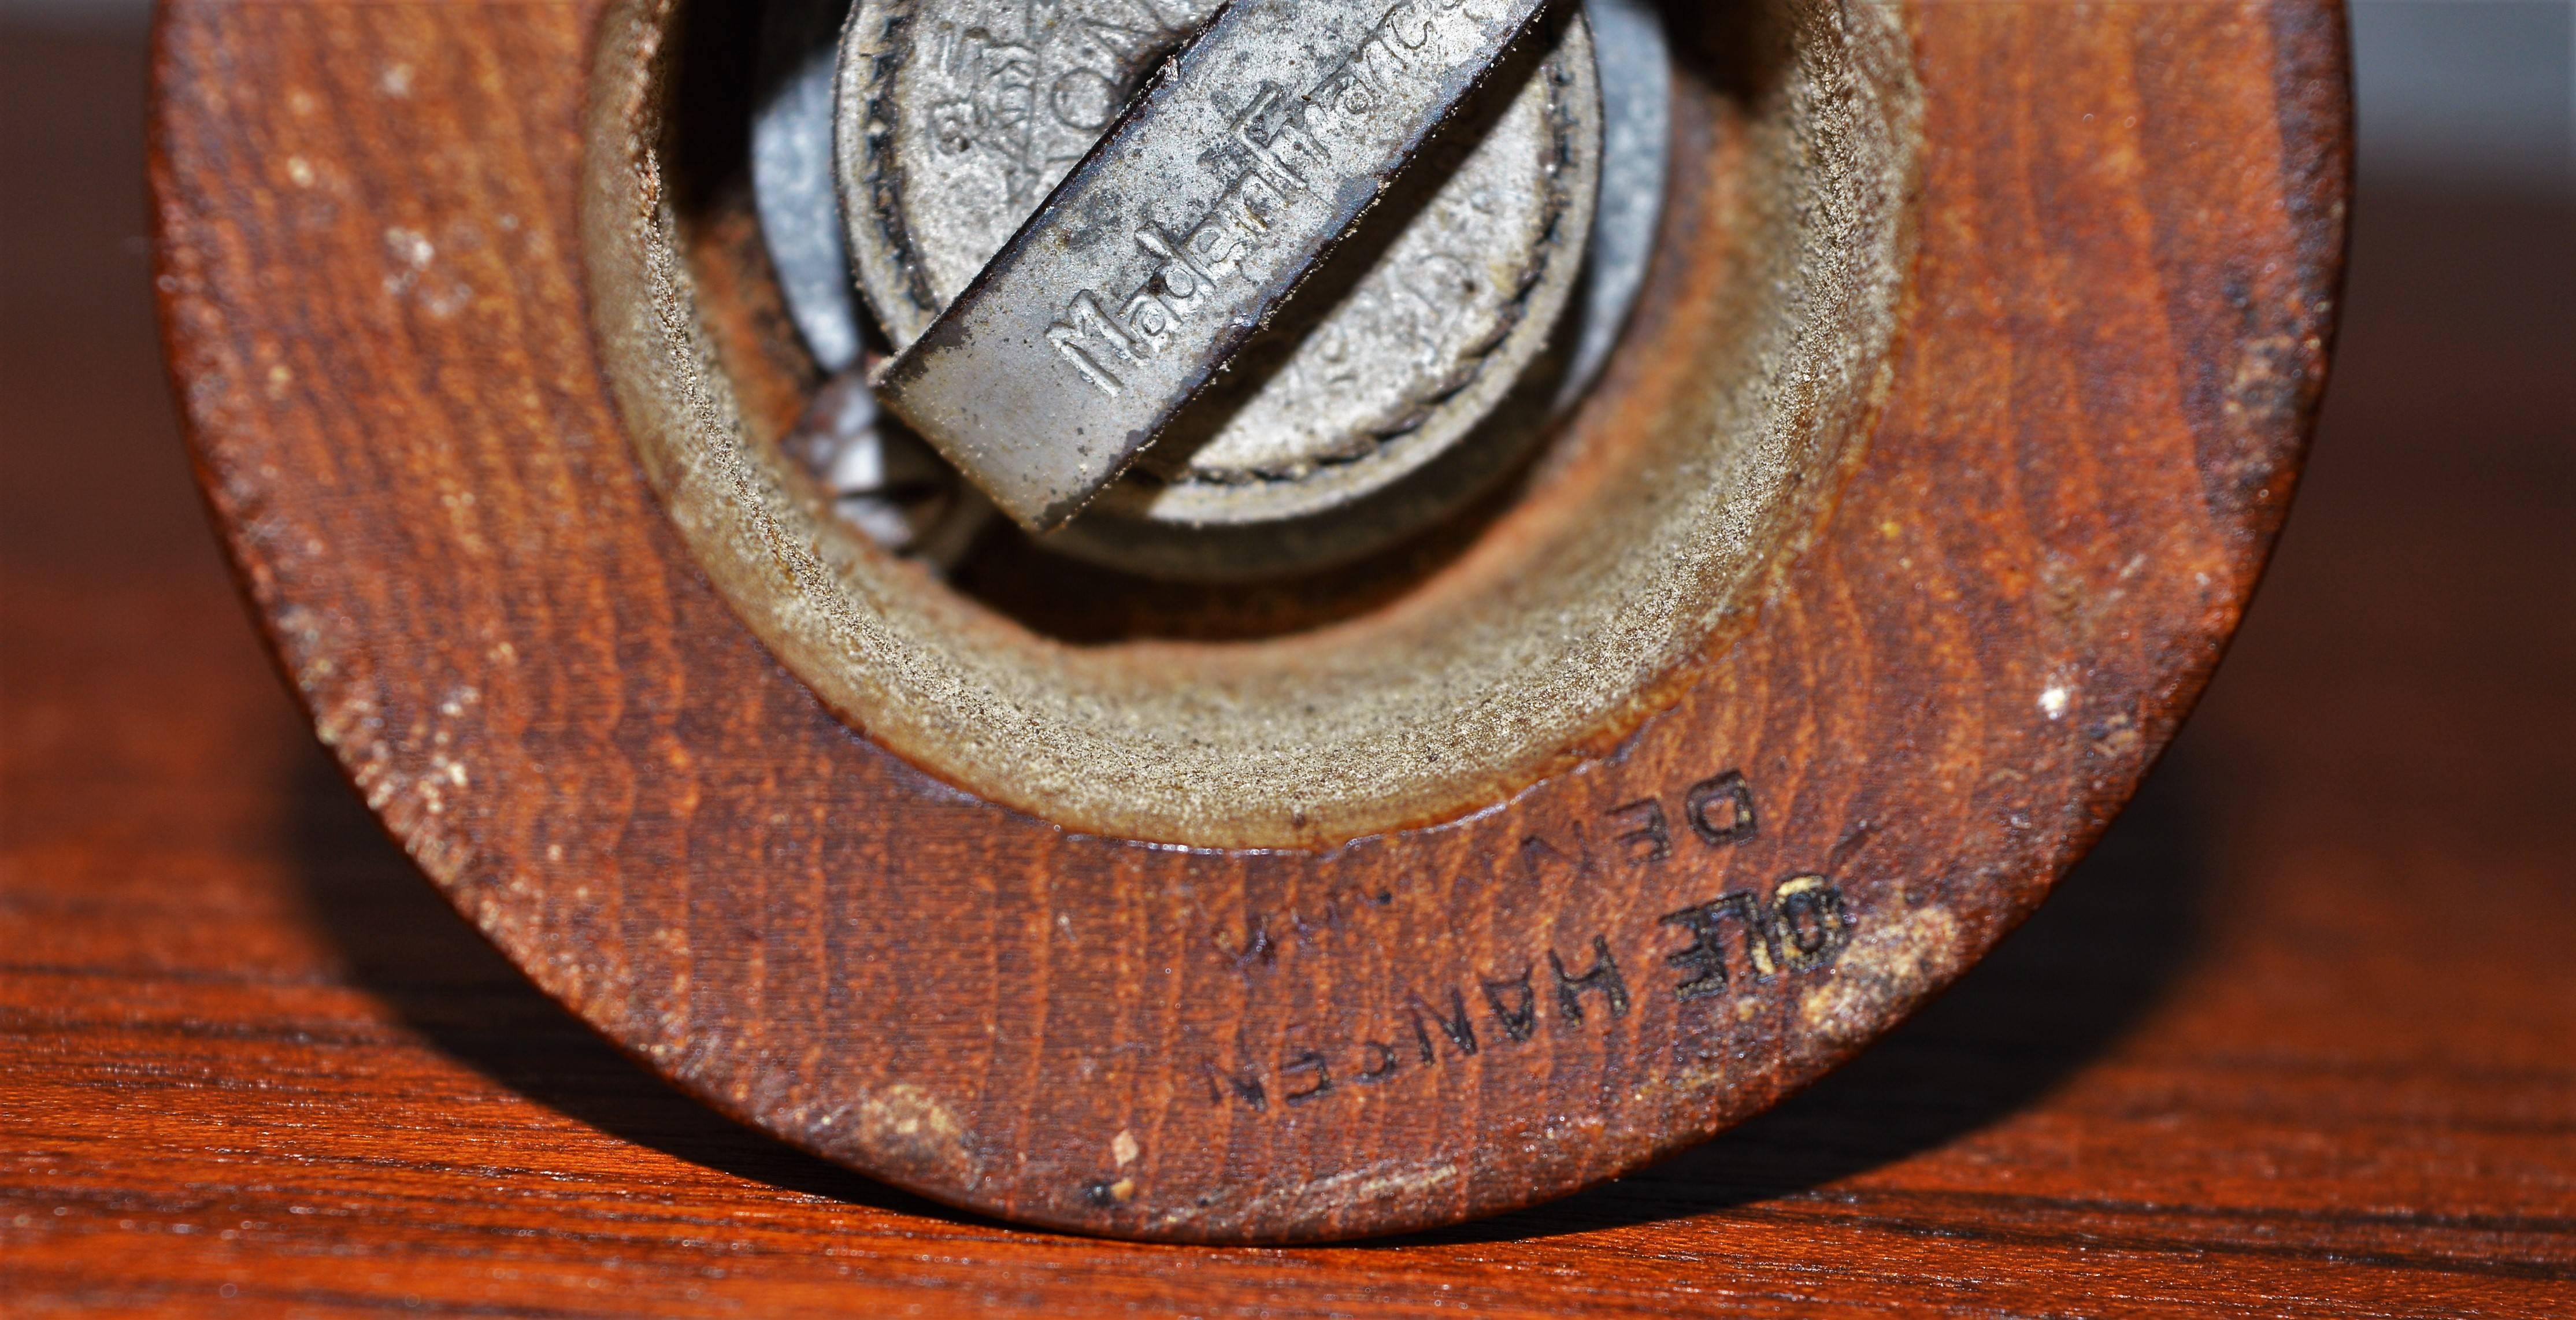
{"points": [[2297, 1040]]}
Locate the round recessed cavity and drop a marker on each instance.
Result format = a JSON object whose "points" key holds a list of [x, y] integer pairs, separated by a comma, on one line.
{"points": [[1707, 453], [1334, 484], [959, 117]]}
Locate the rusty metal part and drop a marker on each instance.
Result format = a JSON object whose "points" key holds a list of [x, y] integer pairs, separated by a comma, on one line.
{"points": [[1212, 198]]}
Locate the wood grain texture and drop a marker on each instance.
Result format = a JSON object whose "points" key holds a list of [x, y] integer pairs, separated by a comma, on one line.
{"points": [[2131, 235], [2294, 1041]]}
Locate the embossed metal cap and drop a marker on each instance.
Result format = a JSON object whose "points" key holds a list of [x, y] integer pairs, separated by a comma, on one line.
{"points": [[1211, 200]]}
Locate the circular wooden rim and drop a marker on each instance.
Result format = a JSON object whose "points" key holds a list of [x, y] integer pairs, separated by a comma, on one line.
{"points": [[1654, 521], [2132, 235]]}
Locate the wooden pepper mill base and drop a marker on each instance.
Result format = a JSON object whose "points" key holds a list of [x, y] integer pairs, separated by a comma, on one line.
{"points": [[1923, 493]]}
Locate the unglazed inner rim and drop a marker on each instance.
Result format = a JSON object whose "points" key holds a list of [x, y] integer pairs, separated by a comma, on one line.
{"points": [[1707, 455]]}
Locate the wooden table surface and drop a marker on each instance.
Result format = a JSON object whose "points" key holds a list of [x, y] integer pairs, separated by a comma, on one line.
{"points": [[2299, 1039]]}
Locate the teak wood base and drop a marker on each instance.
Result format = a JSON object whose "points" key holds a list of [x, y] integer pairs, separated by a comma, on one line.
{"points": [[2127, 236]]}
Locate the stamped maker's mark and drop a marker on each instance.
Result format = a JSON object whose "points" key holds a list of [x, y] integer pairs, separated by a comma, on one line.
{"points": [[1734, 942], [1716, 812]]}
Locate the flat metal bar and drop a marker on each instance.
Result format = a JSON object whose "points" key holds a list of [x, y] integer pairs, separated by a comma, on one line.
{"points": [[1230, 177]]}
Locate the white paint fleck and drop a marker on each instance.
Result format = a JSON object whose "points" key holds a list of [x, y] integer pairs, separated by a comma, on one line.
{"points": [[1123, 1148], [396, 80], [441, 306], [300, 170], [410, 246], [2053, 702]]}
